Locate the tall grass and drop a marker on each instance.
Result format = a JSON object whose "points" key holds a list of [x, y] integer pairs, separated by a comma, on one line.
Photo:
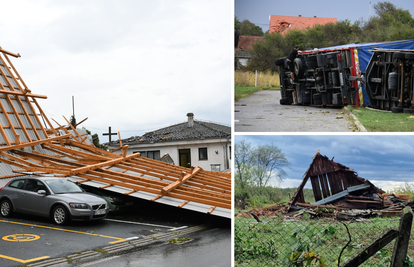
{"points": [[264, 79]]}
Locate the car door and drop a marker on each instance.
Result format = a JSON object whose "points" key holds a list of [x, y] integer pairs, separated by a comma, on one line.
{"points": [[36, 203], [16, 193]]}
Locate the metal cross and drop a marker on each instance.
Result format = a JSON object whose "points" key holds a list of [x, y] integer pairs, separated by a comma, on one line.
{"points": [[109, 134]]}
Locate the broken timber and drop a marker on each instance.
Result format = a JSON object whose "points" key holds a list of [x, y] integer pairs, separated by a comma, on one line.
{"points": [[28, 146], [338, 186]]}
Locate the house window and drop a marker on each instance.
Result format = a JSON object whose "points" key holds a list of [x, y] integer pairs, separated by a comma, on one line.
{"points": [[202, 153], [155, 154]]}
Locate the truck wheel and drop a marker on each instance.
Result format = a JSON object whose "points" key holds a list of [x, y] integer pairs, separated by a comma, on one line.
{"points": [[298, 67], [280, 61], [398, 55], [409, 56], [408, 110], [285, 101], [317, 96], [397, 109]]}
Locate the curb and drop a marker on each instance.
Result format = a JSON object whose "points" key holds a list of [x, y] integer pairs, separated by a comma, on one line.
{"points": [[74, 259], [360, 127]]}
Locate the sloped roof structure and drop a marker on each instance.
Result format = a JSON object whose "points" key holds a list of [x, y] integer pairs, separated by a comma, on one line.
{"points": [[334, 183], [283, 24], [198, 130], [246, 42], [26, 146]]}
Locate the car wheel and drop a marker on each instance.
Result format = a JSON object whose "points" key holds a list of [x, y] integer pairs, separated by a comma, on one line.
{"points": [[6, 208], [60, 215]]}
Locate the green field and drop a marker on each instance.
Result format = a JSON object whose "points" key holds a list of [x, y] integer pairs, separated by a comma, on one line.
{"points": [[278, 242]]}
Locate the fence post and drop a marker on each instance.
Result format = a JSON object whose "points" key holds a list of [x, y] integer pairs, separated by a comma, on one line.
{"points": [[401, 243], [255, 79]]}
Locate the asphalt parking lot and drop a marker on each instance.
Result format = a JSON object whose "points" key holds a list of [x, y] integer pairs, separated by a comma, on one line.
{"points": [[35, 241]]}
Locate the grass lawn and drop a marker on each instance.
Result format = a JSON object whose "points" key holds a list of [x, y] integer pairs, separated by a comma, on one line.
{"points": [[245, 91], [276, 242], [381, 121]]}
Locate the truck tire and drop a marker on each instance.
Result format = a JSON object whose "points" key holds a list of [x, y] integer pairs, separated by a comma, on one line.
{"points": [[285, 101], [397, 109], [408, 110], [317, 96], [280, 61], [298, 68], [398, 55], [409, 56]]}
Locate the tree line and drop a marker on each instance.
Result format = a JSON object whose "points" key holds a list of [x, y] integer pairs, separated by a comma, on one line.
{"points": [[389, 24]]}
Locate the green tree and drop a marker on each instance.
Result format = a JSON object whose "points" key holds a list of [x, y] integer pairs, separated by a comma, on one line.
{"points": [[95, 140], [237, 24], [256, 166], [250, 29]]}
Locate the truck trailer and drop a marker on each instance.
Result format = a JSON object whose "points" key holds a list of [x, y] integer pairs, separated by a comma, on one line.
{"points": [[378, 75]]}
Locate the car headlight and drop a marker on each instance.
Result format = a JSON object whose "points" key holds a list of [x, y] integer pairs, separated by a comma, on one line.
{"points": [[78, 205]]}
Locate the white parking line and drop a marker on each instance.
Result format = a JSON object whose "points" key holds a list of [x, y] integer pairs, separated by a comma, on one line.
{"points": [[148, 224]]}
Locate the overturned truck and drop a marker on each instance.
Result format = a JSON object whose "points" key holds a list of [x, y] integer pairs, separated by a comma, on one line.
{"points": [[336, 76]]}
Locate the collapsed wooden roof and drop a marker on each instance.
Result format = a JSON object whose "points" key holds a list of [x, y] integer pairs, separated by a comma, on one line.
{"points": [[336, 184], [26, 146]]}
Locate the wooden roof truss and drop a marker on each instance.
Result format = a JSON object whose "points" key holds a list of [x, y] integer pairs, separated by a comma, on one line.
{"points": [[64, 151]]}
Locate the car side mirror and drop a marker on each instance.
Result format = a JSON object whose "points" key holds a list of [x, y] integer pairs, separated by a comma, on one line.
{"points": [[42, 192]]}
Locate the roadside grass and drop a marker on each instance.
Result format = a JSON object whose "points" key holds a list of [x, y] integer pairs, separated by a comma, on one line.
{"points": [[245, 83], [381, 121]]}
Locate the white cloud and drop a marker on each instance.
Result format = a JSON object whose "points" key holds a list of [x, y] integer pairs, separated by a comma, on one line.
{"points": [[133, 65]]}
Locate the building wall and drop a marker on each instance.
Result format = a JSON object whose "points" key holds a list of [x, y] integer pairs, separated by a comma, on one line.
{"points": [[216, 152]]}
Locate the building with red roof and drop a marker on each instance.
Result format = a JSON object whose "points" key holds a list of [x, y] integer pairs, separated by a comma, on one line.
{"points": [[283, 24]]}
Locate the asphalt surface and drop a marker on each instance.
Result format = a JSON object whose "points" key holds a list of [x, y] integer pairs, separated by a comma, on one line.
{"points": [[128, 238], [261, 112]]}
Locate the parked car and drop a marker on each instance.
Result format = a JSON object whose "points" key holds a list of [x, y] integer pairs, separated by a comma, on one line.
{"points": [[57, 198]]}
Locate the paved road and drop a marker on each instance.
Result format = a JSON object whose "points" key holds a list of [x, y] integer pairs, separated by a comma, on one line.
{"points": [[261, 112], [135, 236], [209, 248]]}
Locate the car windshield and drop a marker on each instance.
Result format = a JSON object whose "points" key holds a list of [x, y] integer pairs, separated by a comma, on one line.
{"points": [[60, 186]]}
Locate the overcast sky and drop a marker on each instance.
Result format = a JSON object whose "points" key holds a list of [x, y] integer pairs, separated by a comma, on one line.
{"points": [[385, 160], [258, 11], [133, 65]]}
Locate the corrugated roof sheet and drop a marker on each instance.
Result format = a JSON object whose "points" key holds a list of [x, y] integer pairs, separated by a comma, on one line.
{"points": [[26, 146]]}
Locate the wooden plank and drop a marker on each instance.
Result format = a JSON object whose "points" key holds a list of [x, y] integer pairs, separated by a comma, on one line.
{"points": [[100, 165], [316, 188], [182, 204], [157, 197], [211, 210], [33, 143], [366, 253], [9, 53], [178, 183]]}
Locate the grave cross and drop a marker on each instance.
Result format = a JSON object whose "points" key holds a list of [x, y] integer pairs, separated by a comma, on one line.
{"points": [[109, 133]]}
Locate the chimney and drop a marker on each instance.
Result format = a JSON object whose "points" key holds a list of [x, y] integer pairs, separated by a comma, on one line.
{"points": [[190, 120], [300, 16]]}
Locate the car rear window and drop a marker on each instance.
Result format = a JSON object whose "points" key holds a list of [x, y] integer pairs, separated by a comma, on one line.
{"points": [[63, 186], [17, 184]]}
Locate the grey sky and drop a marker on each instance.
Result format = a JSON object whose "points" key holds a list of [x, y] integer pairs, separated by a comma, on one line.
{"points": [[258, 11], [133, 65], [385, 160]]}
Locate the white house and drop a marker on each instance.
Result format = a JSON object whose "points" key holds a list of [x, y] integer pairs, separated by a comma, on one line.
{"points": [[191, 143]]}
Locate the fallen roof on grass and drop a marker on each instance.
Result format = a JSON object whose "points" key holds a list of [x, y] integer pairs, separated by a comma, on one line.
{"points": [[26, 146], [338, 185]]}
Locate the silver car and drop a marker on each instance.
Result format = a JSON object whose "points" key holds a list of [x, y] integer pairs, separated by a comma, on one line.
{"points": [[58, 198]]}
